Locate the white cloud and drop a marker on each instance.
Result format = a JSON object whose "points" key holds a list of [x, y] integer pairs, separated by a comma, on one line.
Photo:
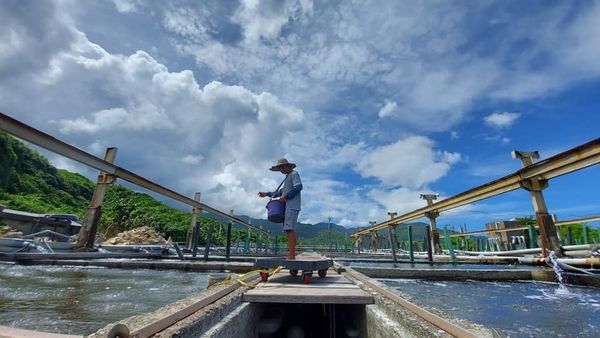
{"points": [[265, 19], [127, 6], [388, 109], [411, 162], [454, 135], [285, 78], [400, 200], [501, 120], [228, 135], [192, 159]]}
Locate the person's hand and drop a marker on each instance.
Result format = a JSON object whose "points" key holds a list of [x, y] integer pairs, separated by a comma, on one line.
{"points": [[262, 194], [282, 199]]}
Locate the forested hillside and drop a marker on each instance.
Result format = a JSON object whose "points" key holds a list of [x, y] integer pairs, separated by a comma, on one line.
{"points": [[29, 182]]}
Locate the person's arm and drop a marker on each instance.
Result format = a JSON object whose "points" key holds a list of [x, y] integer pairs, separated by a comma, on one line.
{"points": [[275, 194], [293, 192], [296, 187]]}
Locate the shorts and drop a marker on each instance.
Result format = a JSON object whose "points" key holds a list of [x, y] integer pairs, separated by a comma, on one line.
{"points": [[291, 219]]}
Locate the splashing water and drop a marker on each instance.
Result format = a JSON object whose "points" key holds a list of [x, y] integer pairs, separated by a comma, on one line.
{"points": [[557, 269]]}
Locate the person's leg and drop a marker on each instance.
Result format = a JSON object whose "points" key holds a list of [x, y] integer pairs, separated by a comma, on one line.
{"points": [[289, 226], [291, 236]]}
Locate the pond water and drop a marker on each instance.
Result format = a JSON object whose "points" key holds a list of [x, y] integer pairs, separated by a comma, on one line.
{"points": [[81, 300], [518, 309]]}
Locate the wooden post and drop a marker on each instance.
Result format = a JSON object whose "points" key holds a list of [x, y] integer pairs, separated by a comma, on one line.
{"points": [[411, 253], [548, 235], [190, 233], [569, 235], [432, 215], [532, 237], [209, 236], [247, 242], [196, 239], [428, 241], [258, 241], [91, 220], [393, 237], [449, 245], [586, 235], [228, 239]]}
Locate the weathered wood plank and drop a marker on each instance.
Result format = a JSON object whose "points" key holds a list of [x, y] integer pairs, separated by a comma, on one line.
{"points": [[308, 296], [334, 289]]}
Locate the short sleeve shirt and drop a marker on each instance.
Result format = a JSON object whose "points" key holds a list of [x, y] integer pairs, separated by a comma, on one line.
{"points": [[292, 180]]}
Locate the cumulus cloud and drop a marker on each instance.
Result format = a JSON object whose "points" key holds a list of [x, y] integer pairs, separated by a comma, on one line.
{"points": [[411, 162], [285, 78], [400, 200], [501, 120], [127, 6], [217, 138], [265, 19], [428, 57], [388, 109]]}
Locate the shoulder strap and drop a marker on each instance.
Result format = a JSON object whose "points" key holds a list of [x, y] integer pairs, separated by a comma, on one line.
{"points": [[280, 184]]}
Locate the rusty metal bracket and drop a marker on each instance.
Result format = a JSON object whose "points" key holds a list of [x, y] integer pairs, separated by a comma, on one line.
{"points": [[105, 178], [534, 184], [431, 214]]}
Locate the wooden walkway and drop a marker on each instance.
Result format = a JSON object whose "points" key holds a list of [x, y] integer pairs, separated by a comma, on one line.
{"points": [[283, 288]]}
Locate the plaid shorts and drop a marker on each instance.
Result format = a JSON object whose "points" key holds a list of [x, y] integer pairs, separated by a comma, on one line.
{"points": [[291, 219]]}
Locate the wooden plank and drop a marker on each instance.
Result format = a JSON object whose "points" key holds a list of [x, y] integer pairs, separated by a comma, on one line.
{"points": [[308, 295], [287, 279], [318, 286], [334, 289]]}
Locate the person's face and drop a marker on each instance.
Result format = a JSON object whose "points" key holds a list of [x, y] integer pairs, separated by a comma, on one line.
{"points": [[286, 169]]}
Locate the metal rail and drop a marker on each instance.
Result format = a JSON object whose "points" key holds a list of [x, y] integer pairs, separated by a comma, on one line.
{"points": [[578, 220], [37, 137], [557, 223], [566, 162]]}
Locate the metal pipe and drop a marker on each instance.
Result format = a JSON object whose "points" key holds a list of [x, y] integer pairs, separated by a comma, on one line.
{"points": [[566, 248], [570, 261], [411, 253]]}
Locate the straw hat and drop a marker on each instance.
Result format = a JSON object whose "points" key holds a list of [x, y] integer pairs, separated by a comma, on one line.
{"points": [[280, 163]]}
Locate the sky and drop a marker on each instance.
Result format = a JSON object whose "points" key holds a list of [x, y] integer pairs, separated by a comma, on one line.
{"points": [[376, 102]]}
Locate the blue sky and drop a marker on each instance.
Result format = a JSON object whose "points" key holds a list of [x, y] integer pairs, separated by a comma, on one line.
{"points": [[376, 101]]}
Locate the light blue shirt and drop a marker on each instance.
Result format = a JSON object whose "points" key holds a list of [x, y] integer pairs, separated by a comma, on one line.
{"points": [[292, 180]]}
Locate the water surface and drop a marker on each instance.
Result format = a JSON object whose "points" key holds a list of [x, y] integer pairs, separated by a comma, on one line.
{"points": [[81, 300], [518, 309]]}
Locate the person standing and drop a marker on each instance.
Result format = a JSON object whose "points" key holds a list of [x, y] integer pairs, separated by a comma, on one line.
{"points": [[290, 194]]}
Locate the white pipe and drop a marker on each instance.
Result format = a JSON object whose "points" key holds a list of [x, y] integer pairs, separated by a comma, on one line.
{"points": [[566, 248], [569, 261]]}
